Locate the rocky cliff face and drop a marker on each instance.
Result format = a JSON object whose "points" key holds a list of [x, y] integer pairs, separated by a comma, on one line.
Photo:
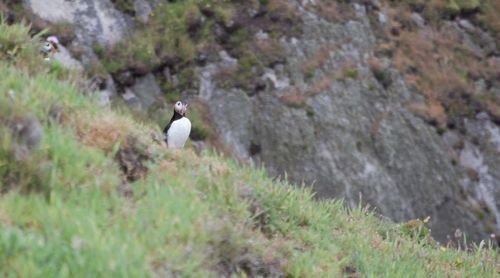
{"points": [[338, 111], [351, 136], [95, 22]]}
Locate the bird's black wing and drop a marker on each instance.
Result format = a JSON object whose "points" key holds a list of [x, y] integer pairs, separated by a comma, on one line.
{"points": [[176, 116], [165, 130]]}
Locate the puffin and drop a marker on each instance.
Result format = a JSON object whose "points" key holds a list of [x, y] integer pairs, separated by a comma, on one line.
{"points": [[50, 47], [177, 131]]}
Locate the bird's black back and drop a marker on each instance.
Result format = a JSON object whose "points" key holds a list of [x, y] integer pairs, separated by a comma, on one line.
{"points": [[175, 117]]}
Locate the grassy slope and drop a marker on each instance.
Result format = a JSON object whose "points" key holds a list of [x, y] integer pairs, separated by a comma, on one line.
{"points": [[63, 212]]}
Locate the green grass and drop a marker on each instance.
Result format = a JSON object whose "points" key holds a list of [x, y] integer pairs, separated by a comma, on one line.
{"points": [[179, 32], [164, 37], [484, 12], [379, 75], [125, 6], [351, 73], [201, 129], [63, 212]]}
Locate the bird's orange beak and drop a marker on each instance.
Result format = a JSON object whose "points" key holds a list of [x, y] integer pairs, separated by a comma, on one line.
{"points": [[184, 109], [53, 49]]}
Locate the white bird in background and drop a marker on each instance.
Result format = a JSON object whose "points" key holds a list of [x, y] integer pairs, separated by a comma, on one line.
{"points": [[178, 129], [50, 47]]}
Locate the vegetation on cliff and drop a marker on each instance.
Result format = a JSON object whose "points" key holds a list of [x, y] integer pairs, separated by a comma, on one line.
{"points": [[87, 191], [450, 79]]}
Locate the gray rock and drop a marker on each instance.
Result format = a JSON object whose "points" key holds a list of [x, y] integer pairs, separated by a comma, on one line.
{"points": [[307, 2], [240, 114], [125, 78], [359, 10], [64, 57], [146, 90], [476, 40], [94, 20], [487, 42], [451, 139], [382, 18], [279, 83], [142, 10], [376, 4], [418, 19], [11, 94], [481, 153], [171, 78], [132, 100], [495, 92], [261, 35], [480, 85], [110, 86], [104, 98], [352, 138], [467, 25], [226, 59]]}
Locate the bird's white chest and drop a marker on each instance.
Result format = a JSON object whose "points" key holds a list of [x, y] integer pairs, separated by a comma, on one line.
{"points": [[178, 133]]}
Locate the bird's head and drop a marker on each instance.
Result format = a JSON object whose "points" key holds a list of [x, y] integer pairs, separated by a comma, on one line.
{"points": [[51, 45], [180, 108]]}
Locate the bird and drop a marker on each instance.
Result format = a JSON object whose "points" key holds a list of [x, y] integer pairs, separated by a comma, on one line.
{"points": [[178, 129], [50, 47]]}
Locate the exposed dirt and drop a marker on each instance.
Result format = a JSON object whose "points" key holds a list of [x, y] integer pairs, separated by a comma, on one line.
{"points": [[250, 264], [131, 157], [259, 215]]}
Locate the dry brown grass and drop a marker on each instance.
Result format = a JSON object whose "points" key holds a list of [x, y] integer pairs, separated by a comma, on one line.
{"points": [[169, 162], [333, 11], [485, 13], [493, 107], [318, 58], [230, 76], [267, 46], [436, 61], [103, 130], [3, 8], [493, 67], [270, 51], [168, 166], [294, 98], [282, 10], [226, 71], [425, 62], [490, 17], [324, 83], [374, 63], [431, 111], [4, 217], [297, 98], [429, 62]]}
